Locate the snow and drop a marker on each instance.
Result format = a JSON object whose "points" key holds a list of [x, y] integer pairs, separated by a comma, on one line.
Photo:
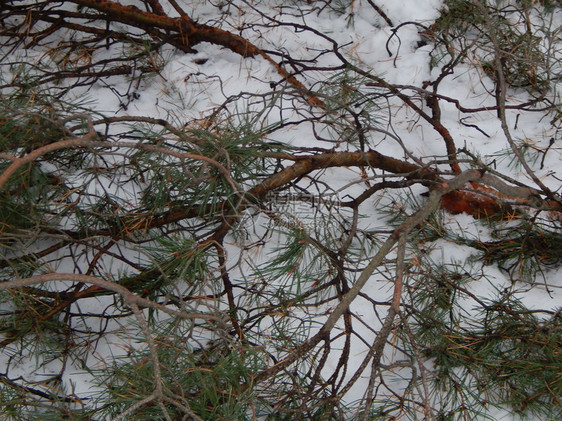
{"points": [[191, 85]]}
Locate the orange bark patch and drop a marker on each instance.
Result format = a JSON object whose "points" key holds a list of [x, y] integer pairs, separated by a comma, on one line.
{"points": [[485, 202], [474, 203]]}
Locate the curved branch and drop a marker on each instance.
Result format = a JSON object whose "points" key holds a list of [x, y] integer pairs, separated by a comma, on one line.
{"points": [[87, 140]]}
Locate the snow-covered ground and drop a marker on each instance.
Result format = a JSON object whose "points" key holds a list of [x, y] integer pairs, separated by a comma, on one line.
{"points": [[191, 86]]}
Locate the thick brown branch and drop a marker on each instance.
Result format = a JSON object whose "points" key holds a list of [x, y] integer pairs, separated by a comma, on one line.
{"points": [[184, 33]]}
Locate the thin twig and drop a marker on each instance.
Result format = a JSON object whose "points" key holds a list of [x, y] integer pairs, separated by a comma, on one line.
{"points": [[501, 102]]}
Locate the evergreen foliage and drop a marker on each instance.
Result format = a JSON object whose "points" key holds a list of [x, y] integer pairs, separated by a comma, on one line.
{"points": [[207, 265]]}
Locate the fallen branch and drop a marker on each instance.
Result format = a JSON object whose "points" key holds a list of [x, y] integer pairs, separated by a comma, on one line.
{"points": [[433, 202]]}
